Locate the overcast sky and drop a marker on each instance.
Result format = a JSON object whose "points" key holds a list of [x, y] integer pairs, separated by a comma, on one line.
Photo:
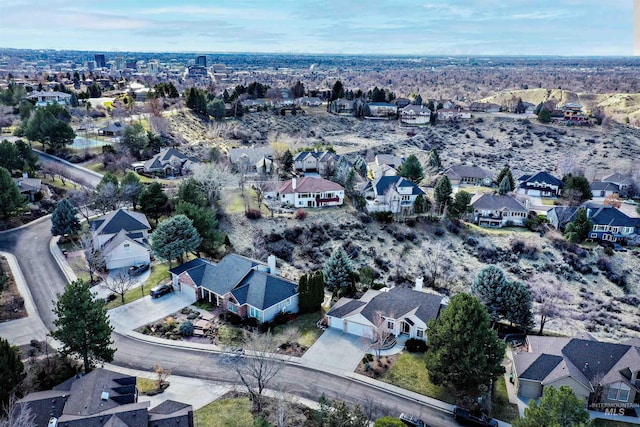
{"points": [[449, 27]]}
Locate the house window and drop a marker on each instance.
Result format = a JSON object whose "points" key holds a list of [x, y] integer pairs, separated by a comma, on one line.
{"points": [[391, 324], [254, 312], [420, 333], [127, 247], [618, 391], [232, 307]]}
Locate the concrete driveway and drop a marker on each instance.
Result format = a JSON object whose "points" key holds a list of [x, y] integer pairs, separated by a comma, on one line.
{"points": [[140, 312], [337, 350]]}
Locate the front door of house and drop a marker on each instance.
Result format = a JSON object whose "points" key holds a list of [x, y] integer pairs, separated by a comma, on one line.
{"points": [[406, 328]]}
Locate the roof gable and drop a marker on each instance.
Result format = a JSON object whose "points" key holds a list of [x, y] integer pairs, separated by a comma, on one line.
{"points": [[399, 301], [120, 219], [498, 202]]}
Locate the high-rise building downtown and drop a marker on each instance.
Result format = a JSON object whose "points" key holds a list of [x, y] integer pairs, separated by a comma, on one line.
{"points": [[100, 61], [201, 60]]}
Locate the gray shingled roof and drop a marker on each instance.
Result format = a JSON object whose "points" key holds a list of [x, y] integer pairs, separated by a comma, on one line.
{"points": [[85, 394], [400, 301], [262, 290], [496, 202], [464, 171], [540, 367], [345, 309], [121, 219]]}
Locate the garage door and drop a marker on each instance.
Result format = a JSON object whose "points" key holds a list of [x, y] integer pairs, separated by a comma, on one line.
{"points": [[357, 329], [188, 291]]}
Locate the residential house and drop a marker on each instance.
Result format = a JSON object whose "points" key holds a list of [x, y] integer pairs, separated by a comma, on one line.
{"points": [[381, 110], [241, 285], [473, 175], [604, 189], [494, 210], [323, 162], [252, 160], [43, 98], [612, 225], [309, 101], [169, 162], [102, 398], [485, 107], [400, 311], [451, 114], [560, 216], [401, 102], [30, 188], [253, 105], [112, 129], [415, 115], [342, 106], [541, 184], [529, 108], [393, 194], [122, 236], [310, 192], [599, 372], [625, 184]]}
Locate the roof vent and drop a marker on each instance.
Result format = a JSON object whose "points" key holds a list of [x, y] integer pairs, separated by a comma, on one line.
{"points": [[104, 395]]}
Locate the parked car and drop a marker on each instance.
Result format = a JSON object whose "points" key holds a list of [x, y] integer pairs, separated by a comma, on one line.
{"points": [[466, 417], [138, 269], [160, 290], [630, 202], [412, 421]]}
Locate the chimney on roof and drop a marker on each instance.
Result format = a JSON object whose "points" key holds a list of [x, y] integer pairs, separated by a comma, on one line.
{"points": [[419, 283], [294, 183], [271, 261]]}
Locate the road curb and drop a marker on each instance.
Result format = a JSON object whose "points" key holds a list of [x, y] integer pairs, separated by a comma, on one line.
{"points": [[34, 222], [60, 260], [69, 164]]}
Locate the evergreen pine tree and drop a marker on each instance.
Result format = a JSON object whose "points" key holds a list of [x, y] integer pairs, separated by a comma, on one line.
{"points": [[287, 161], [11, 371], [434, 160], [506, 172], [412, 169], [487, 287], [82, 325], [11, 201], [152, 199], [337, 270], [420, 205], [460, 204], [578, 230], [174, 237], [442, 193], [557, 407], [64, 220], [505, 186]]}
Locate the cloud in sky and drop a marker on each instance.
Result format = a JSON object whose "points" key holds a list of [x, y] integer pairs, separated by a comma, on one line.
{"points": [[474, 27]]}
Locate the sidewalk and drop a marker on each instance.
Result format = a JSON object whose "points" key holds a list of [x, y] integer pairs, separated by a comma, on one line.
{"points": [[22, 331]]}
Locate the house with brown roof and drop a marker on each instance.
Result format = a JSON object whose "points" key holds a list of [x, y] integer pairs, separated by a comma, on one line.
{"points": [[599, 372], [464, 174], [496, 211], [310, 192], [102, 398]]}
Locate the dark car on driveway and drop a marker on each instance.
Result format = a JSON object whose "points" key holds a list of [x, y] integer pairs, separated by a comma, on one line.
{"points": [[468, 418], [160, 290], [412, 421], [138, 269]]}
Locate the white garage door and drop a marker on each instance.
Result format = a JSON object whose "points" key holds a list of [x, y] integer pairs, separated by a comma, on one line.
{"points": [[187, 291], [357, 329]]}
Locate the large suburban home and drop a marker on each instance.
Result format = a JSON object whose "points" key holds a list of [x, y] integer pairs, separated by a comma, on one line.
{"points": [[30, 188], [626, 185], [381, 110], [323, 162], [258, 160], [400, 311], [450, 114], [43, 98], [393, 194], [470, 175], [485, 107], [604, 189], [342, 106], [169, 162], [541, 184], [122, 238], [112, 129], [560, 216], [102, 398], [241, 285], [310, 192], [494, 210], [599, 372], [612, 225], [415, 115]]}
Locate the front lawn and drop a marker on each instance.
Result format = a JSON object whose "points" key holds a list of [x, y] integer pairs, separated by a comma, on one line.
{"points": [[146, 385], [501, 409], [130, 296], [306, 325], [158, 273], [234, 412], [409, 372]]}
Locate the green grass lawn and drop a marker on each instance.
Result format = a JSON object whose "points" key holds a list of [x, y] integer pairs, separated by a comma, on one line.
{"points": [[225, 413], [230, 336], [306, 324], [501, 408], [158, 273], [409, 372], [79, 267], [57, 183], [145, 385], [130, 296], [548, 202]]}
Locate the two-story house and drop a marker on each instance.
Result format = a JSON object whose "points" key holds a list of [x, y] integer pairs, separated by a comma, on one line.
{"points": [[611, 224], [310, 192], [122, 236], [381, 110], [43, 98], [494, 210], [415, 115], [323, 162], [393, 194], [246, 287], [626, 185], [541, 184], [169, 162], [469, 175]]}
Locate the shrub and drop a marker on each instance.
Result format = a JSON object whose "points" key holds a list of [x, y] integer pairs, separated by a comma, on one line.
{"points": [[281, 318], [251, 321], [385, 217], [253, 214], [378, 286], [364, 218], [111, 297], [604, 264], [414, 345], [300, 214], [186, 329], [438, 232], [471, 242]]}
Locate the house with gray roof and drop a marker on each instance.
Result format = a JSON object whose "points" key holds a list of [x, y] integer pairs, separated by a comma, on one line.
{"points": [[393, 194], [560, 216], [29, 187], [415, 115], [103, 398], [541, 184], [169, 162], [255, 160], [611, 224], [604, 189], [246, 287], [599, 372], [626, 185], [469, 175], [495, 210], [321, 162], [122, 236], [400, 311]]}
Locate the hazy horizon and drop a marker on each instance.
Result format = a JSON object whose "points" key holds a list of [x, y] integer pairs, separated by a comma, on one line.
{"points": [[402, 27]]}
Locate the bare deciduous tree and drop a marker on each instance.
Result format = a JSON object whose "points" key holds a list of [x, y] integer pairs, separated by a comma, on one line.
{"points": [[93, 256], [119, 284], [82, 199], [438, 267], [261, 186], [212, 177], [161, 374], [17, 415], [258, 366], [548, 297], [380, 334]]}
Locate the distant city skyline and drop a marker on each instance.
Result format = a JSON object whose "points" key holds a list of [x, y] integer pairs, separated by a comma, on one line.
{"points": [[407, 27]]}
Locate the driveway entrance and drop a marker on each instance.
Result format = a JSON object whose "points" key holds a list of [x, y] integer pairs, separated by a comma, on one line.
{"points": [[140, 312], [337, 350]]}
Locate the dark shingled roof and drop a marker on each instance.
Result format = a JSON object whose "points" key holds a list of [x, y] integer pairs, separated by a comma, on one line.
{"points": [[542, 177], [262, 290], [45, 404], [608, 215], [188, 266], [383, 183], [541, 367], [345, 308], [593, 357], [85, 398], [168, 407], [399, 301], [464, 171], [498, 202], [121, 219]]}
